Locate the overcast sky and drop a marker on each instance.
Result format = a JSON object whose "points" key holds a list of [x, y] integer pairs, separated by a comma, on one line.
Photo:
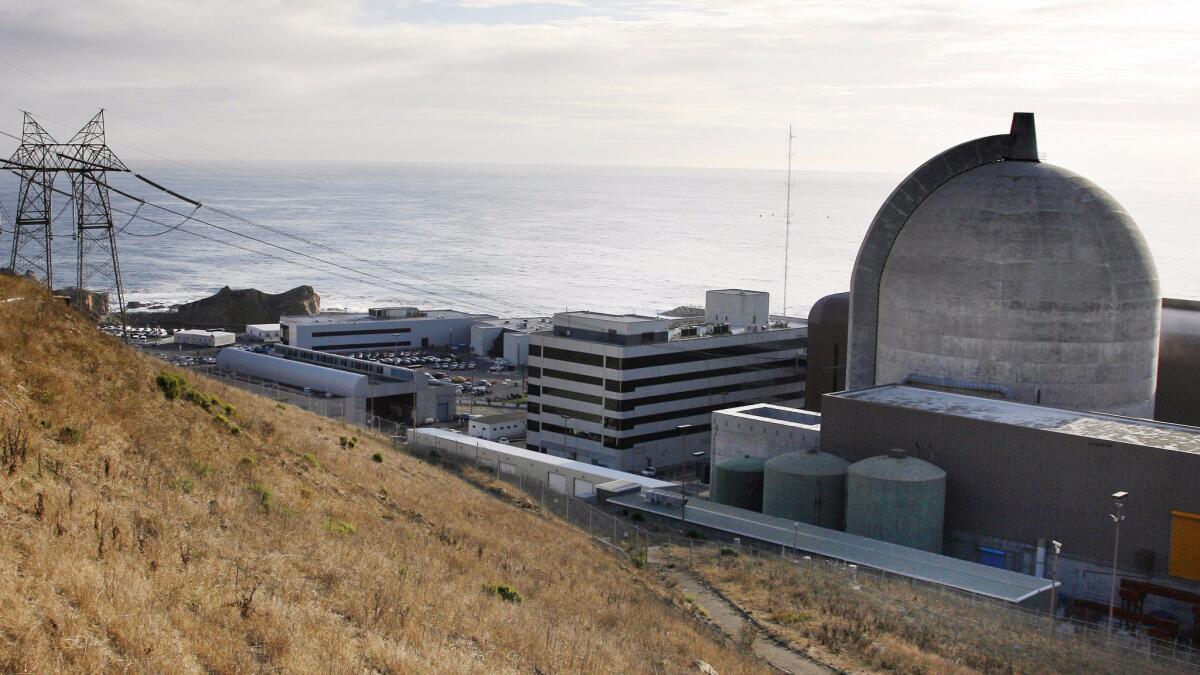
{"points": [[869, 86]]}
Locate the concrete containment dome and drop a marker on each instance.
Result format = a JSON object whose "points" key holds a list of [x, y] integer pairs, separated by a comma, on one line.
{"points": [[1005, 276], [809, 487], [898, 499]]}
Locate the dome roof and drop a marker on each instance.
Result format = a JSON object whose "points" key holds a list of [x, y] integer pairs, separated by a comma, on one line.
{"points": [[1005, 275], [807, 464], [897, 469], [742, 464]]}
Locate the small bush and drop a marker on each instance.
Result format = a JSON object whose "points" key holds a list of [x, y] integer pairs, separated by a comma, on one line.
{"points": [[377, 458], [693, 533], [173, 386], [202, 469], [639, 559], [248, 462], [310, 460], [342, 441], [265, 497], [728, 552], [68, 435], [504, 592], [340, 528], [230, 411], [184, 485]]}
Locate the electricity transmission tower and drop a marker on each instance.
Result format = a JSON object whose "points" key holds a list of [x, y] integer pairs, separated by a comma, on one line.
{"points": [[33, 238], [86, 158]]}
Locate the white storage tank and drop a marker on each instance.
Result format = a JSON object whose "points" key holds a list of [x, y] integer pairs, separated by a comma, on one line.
{"points": [[898, 499]]}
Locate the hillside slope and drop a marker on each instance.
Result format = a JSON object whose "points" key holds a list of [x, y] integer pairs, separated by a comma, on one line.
{"points": [[233, 535]]}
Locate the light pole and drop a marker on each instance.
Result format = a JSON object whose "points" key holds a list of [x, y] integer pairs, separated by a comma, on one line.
{"points": [[397, 341], [683, 498], [1118, 502], [563, 433], [1057, 546]]}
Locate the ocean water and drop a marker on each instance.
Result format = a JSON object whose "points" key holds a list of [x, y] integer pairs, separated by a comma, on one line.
{"points": [[522, 240]]}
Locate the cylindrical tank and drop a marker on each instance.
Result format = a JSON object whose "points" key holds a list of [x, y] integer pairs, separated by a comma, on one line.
{"points": [[739, 482], [809, 487], [897, 498]]}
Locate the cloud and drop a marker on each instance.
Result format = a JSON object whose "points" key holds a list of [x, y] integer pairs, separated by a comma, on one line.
{"points": [[870, 86]]}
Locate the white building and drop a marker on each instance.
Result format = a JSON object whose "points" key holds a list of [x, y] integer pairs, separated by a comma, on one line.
{"points": [[616, 389], [380, 329], [369, 388], [763, 430], [495, 427], [508, 338], [204, 338], [263, 332]]}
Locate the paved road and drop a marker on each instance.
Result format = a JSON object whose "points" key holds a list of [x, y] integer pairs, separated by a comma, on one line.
{"points": [[733, 623]]}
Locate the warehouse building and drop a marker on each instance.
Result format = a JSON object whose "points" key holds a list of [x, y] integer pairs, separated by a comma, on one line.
{"points": [[495, 427], [204, 338], [380, 329], [1020, 475], [631, 392], [263, 332], [371, 389], [506, 338]]}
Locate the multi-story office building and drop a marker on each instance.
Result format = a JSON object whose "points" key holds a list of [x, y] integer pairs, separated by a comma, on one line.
{"points": [[380, 329], [618, 390]]}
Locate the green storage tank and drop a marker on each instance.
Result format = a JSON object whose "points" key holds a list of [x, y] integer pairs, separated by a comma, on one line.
{"points": [[739, 482], [809, 487], [897, 498]]}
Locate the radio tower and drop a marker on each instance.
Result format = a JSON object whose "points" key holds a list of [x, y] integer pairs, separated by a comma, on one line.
{"points": [[33, 238]]}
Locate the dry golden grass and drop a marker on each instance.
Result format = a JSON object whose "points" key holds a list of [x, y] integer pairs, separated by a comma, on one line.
{"points": [[863, 623], [143, 534]]}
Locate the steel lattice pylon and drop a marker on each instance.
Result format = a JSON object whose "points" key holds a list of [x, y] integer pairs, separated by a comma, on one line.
{"points": [[33, 236], [86, 158]]}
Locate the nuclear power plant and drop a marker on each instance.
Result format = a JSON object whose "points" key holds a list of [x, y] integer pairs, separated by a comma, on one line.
{"points": [[988, 386]]}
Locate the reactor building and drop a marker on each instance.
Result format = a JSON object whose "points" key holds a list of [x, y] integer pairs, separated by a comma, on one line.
{"points": [[991, 273]]}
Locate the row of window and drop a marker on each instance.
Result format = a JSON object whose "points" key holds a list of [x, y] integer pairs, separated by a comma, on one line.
{"points": [[535, 372], [372, 331], [341, 362], [669, 357], [366, 345], [618, 405]]}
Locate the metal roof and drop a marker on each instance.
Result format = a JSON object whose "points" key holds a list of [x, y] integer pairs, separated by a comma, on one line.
{"points": [[881, 555], [1132, 430], [295, 373], [544, 459], [497, 418]]}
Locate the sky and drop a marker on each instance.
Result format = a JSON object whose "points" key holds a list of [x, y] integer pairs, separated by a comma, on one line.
{"points": [[867, 86]]}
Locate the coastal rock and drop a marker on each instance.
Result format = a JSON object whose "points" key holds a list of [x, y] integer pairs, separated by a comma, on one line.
{"points": [[231, 308], [684, 311]]}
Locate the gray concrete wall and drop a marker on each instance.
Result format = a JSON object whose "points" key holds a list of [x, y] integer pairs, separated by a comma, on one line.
{"points": [[1027, 276], [1023, 484]]}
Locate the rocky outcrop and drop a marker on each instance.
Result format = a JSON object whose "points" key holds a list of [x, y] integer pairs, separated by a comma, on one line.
{"points": [[233, 309], [685, 311], [229, 308]]}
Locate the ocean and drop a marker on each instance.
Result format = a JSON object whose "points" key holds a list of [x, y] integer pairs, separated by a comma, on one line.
{"points": [[527, 240]]}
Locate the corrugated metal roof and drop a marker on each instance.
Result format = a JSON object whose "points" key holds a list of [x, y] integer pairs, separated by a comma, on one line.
{"points": [[881, 555], [295, 373], [548, 460]]}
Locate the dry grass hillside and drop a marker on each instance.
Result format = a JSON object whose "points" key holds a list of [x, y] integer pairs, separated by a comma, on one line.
{"points": [[219, 532]]}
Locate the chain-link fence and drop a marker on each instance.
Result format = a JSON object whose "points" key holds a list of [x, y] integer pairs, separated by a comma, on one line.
{"points": [[629, 534]]}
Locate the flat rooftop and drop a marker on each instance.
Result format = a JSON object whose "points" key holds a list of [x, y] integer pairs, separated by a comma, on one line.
{"points": [[793, 417], [341, 317], [604, 316], [881, 555], [500, 418], [1100, 426]]}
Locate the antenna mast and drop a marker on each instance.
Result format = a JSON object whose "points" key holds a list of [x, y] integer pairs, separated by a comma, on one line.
{"points": [[787, 220]]}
